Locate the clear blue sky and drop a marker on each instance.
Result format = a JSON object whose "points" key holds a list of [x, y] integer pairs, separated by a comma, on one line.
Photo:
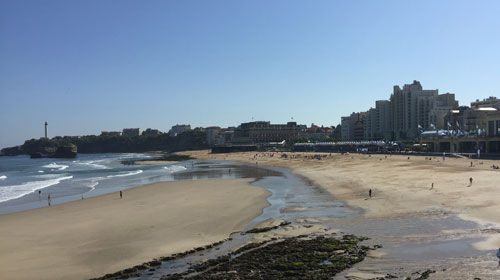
{"points": [[87, 66]]}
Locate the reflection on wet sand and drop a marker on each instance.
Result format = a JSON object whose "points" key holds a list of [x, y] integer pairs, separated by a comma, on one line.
{"points": [[206, 170]]}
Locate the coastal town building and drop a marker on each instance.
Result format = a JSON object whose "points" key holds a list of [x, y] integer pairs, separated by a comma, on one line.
{"points": [[264, 131], [345, 128], [353, 126], [370, 124], [442, 105], [178, 129], [409, 105], [213, 134], [408, 111], [383, 120], [131, 132], [316, 133], [151, 131], [485, 103]]}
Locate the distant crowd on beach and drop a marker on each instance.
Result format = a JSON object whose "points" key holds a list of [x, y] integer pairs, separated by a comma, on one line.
{"points": [[320, 156]]}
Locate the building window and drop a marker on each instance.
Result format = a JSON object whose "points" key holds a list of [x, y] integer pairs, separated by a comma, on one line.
{"points": [[491, 128]]}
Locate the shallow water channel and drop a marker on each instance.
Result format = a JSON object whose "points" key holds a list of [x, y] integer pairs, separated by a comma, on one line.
{"points": [[431, 239], [292, 197]]}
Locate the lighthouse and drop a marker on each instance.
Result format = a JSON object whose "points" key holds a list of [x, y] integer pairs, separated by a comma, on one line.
{"points": [[46, 129]]}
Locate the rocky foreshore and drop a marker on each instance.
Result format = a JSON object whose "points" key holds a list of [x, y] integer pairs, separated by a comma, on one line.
{"points": [[300, 257]]}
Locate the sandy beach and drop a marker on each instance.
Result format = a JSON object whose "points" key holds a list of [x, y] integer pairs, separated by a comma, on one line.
{"points": [[100, 235], [105, 234], [400, 186]]}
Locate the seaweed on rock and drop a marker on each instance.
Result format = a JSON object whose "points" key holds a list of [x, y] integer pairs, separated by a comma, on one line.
{"points": [[292, 258]]}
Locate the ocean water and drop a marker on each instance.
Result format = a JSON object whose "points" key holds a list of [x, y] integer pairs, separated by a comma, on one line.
{"points": [[70, 179]]}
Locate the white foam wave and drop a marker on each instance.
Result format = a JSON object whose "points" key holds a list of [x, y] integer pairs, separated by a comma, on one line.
{"points": [[3, 177], [135, 172], [51, 176], [93, 164], [16, 191], [175, 168], [92, 185], [56, 166], [40, 171]]}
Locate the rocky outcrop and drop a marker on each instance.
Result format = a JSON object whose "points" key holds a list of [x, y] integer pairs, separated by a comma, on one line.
{"points": [[66, 151], [12, 151]]}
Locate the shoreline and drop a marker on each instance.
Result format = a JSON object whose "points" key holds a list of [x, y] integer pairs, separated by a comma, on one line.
{"points": [[104, 234], [398, 183], [400, 186]]}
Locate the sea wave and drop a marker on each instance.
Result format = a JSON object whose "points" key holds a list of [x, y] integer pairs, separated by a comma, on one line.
{"points": [[16, 191], [51, 176], [3, 177], [56, 166], [92, 185], [175, 168], [135, 172], [93, 164]]}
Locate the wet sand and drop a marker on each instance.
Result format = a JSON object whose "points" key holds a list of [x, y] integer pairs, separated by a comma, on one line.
{"points": [[100, 235], [400, 185], [403, 195]]}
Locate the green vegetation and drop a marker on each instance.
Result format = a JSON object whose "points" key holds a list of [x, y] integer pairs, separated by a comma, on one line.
{"points": [[190, 140], [293, 258]]}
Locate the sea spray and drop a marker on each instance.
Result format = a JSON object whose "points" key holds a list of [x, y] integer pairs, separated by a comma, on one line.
{"points": [[56, 166]]}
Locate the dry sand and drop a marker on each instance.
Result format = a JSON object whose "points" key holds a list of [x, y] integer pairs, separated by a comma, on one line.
{"points": [[400, 186], [100, 235]]}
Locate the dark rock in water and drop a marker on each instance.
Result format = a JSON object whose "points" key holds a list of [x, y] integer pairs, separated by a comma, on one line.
{"points": [[66, 151]]}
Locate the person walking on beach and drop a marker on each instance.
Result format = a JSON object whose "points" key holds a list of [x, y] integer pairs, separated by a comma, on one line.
{"points": [[470, 180], [121, 195], [370, 193], [49, 200], [432, 186]]}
